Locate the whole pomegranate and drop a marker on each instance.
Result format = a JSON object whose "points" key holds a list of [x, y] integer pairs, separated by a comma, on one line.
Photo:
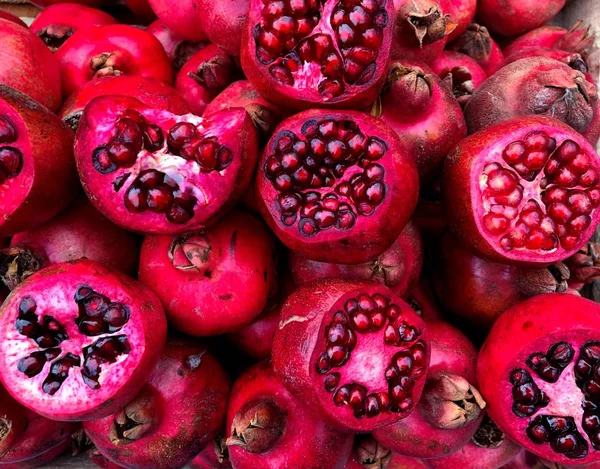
{"points": [[423, 112], [180, 409], [450, 409], [183, 17], [460, 73], [398, 268], [524, 191], [207, 73], [478, 291], [57, 23], [477, 43], [368, 453], [78, 232], [329, 180], [177, 48], [533, 86], [269, 428], [584, 266], [5, 15], [512, 17], [155, 172], [37, 174], [111, 50], [78, 340], [353, 352], [241, 93], [461, 13], [223, 23], [536, 371], [421, 30], [28, 66], [572, 59], [151, 92], [310, 53], [488, 449], [213, 281]]}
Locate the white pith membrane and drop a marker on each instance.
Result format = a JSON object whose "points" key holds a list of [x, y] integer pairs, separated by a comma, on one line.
{"points": [[366, 339], [329, 176], [15, 175], [320, 50], [202, 191], [536, 195], [52, 301], [555, 395]]}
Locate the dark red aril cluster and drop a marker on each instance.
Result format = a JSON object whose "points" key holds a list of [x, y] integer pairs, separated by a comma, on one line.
{"points": [[363, 315], [328, 176]]}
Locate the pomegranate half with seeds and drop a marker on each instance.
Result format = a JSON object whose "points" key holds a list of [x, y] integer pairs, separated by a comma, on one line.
{"points": [[306, 53], [525, 191], [354, 352], [539, 371], [336, 186], [155, 172], [79, 341]]}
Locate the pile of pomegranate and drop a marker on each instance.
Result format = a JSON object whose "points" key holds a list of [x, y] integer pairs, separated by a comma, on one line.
{"points": [[299, 234]]}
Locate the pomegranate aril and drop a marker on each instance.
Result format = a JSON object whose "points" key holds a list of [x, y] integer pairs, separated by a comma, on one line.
{"points": [[8, 133], [11, 161], [180, 134]]}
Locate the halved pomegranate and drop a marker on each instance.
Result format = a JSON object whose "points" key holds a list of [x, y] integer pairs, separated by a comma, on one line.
{"points": [[306, 53], [354, 352], [539, 371], [155, 172], [336, 186], [525, 191], [79, 341]]}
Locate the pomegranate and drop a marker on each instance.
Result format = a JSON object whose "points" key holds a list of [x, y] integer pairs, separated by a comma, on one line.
{"points": [[207, 73], [577, 39], [536, 371], [572, 59], [268, 427], [155, 172], [512, 17], [28, 66], [149, 91], [78, 340], [177, 48], [318, 54], [592, 133], [37, 173], [256, 339], [78, 232], [584, 266], [179, 410], [141, 8], [329, 180], [39, 440], [241, 93], [13, 423], [461, 74], [423, 112], [424, 303], [450, 409], [478, 291], [477, 43], [183, 18], [421, 30], [47, 3], [462, 13], [523, 191], [369, 454], [488, 449], [215, 455], [533, 86], [5, 15], [353, 352], [57, 23], [111, 50], [213, 281], [398, 268], [223, 23]]}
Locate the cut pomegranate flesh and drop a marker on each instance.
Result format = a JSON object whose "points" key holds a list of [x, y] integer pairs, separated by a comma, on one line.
{"points": [[156, 172], [308, 52]]}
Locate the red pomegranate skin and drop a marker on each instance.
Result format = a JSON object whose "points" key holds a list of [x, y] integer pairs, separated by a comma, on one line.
{"points": [[180, 409], [223, 23], [215, 281], [521, 353], [5, 15], [303, 439], [462, 12], [466, 195], [182, 18], [178, 49]]}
